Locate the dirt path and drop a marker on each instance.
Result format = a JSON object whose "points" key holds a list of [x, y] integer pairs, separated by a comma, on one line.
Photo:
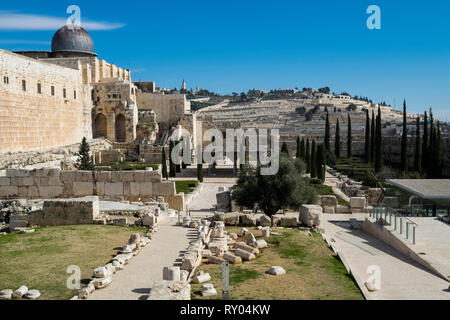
{"points": [[134, 282]]}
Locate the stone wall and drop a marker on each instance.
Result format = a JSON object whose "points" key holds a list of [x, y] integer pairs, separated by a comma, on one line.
{"points": [[169, 108], [66, 212], [113, 185], [34, 116]]}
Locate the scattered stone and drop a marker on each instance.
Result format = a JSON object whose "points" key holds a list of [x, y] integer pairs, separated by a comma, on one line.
{"points": [[170, 290], [265, 232], [215, 260], [101, 272], [172, 273], [265, 221], [121, 222], [245, 247], [233, 236], [261, 244], [245, 255], [208, 290], [184, 275], [231, 219], [289, 222], [276, 271], [371, 286], [32, 295], [202, 278], [149, 220], [86, 291], [249, 220], [250, 239], [243, 232], [27, 231], [19, 293], [311, 215], [102, 283], [136, 240], [6, 294], [232, 258], [206, 253]]}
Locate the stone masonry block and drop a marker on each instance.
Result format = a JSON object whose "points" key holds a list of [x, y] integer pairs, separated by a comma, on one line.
{"points": [[114, 189], [81, 189]]}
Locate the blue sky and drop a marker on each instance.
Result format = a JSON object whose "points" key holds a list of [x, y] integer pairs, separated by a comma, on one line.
{"points": [[228, 46]]}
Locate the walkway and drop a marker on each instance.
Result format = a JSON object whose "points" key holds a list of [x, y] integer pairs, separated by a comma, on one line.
{"points": [[204, 203], [401, 277], [134, 282]]}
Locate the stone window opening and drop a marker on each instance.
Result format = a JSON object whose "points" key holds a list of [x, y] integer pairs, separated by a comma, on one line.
{"points": [[53, 90], [24, 85], [75, 94], [39, 88], [6, 80], [64, 93]]}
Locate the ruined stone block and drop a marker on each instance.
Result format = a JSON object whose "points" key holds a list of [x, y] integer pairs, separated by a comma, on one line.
{"points": [[103, 176], [114, 189], [84, 176], [67, 176], [5, 181], [50, 192], [81, 189]]}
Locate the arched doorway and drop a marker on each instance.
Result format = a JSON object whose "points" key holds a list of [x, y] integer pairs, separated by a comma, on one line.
{"points": [[121, 128], [100, 126]]}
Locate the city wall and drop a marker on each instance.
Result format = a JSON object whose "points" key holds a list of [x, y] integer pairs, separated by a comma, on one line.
{"points": [[43, 106], [110, 185]]}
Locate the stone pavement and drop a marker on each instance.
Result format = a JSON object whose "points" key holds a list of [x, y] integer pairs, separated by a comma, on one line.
{"points": [[401, 277], [203, 204], [134, 282]]}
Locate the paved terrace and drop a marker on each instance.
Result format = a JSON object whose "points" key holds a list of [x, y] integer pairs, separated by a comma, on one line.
{"points": [[401, 277]]}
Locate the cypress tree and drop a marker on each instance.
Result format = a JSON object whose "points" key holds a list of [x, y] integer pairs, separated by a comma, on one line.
{"points": [[327, 134], [308, 156], [378, 143], [404, 148], [337, 146], [313, 160], [349, 137], [303, 150], [284, 149], [431, 146], [172, 167], [321, 162], [200, 173], [372, 138], [367, 138], [438, 153], [298, 154], [84, 161], [178, 165], [164, 164], [417, 154], [425, 143]]}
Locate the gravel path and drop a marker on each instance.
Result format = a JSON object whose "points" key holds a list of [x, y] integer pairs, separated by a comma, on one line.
{"points": [[134, 282]]}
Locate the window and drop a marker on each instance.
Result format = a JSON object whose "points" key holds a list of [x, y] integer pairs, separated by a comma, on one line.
{"points": [[6, 80], [53, 91], [75, 94], [64, 93], [24, 85], [39, 88]]}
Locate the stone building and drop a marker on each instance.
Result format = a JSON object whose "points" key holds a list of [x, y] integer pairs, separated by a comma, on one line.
{"points": [[50, 99]]}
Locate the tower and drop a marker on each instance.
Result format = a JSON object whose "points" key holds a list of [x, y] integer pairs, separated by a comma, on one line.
{"points": [[183, 85]]}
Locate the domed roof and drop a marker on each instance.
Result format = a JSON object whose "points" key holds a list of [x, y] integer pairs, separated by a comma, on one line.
{"points": [[72, 38]]}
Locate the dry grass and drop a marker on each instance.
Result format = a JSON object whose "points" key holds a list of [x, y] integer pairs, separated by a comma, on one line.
{"points": [[40, 260], [312, 272]]}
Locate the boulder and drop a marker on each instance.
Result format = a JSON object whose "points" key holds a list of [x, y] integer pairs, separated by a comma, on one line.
{"points": [[149, 220], [122, 222], [328, 201], [32, 294], [265, 221], [250, 239], [215, 260], [101, 273], [311, 215], [19, 293], [231, 219], [261, 244], [265, 232], [86, 291], [289, 222], [276, 219], [189, 262], [233, 236], [276, 271], [135, 239], [249, 220], [201, 278], [245, 255]]}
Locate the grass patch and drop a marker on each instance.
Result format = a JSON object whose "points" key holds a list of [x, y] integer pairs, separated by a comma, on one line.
{"points": [[40, 260], [186, 186], [324, 190], [129, 166], [312, 272]]}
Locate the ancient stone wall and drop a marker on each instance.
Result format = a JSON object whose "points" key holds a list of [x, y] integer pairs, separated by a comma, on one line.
{"points": [[169, 109], [113, 185], [43, 106]]}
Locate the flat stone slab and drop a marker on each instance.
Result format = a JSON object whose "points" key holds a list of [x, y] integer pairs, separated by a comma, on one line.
{"points": [[276, 271]]}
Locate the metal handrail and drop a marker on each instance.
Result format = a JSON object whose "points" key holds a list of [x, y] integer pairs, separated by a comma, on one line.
{"points": [[381, 205]]}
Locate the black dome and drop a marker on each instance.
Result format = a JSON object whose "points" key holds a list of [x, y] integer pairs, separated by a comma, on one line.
{"points": [[72, 38]]}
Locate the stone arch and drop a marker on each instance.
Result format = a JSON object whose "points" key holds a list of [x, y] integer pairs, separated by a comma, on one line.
{"points": [[100, 128], [121, 128]]}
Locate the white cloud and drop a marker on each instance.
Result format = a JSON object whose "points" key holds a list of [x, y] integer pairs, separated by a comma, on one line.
{"points": [[12, 21]]}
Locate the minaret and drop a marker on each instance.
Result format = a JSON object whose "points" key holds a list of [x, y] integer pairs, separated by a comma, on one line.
{"points": [[183, 85]]}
